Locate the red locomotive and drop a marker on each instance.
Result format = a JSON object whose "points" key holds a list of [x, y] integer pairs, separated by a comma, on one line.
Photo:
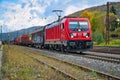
{"points": [[69, 34]]}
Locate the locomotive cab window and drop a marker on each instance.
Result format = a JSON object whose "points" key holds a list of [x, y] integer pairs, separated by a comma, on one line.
{"points": [[78, 25]]}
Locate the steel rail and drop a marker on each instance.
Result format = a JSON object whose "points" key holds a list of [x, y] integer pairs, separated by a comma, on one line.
{"points": [[106, 59], [106, 49]]}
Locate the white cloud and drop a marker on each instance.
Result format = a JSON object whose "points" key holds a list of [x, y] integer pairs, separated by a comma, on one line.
{"points": [[56, 0], [22, 17], [67, 1], [73, 8], [1, 22]]}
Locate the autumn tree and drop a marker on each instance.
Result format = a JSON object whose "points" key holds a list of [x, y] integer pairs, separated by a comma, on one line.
{"points": [[86, 14]]}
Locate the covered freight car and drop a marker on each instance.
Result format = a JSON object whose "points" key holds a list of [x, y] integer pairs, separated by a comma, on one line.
{"points": [[37, 37]]}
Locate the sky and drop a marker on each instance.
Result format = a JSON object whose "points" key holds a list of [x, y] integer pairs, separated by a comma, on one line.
{"points": [[19, 14]]}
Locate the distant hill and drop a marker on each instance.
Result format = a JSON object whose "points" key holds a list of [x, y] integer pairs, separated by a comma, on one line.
{"points": [[18, 33], [101, 8]]}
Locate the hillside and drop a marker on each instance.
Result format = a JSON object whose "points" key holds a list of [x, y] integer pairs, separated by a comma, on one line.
{"points": [[18, 33], [101, 8]]}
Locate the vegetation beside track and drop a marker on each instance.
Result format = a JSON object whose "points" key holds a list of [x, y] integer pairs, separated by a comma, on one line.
{"points": [[18, 65], [112, 43]]}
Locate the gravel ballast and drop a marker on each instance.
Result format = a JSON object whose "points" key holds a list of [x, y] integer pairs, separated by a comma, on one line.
{"points": [[106, 67]]}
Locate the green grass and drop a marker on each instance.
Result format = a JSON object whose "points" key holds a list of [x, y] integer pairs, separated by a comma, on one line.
{"points": [[112, 43]]}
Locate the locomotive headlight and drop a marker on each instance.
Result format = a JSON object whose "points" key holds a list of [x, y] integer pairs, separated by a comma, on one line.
{"points": [[72, 35], [86, 35]]}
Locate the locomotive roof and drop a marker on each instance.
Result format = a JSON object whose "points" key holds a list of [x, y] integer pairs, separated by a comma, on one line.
{"points": [[60, 21], [52, 24], [56, 22]]}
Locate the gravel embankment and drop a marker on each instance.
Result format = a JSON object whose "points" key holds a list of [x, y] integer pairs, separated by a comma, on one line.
{"points": [[106, 67]]}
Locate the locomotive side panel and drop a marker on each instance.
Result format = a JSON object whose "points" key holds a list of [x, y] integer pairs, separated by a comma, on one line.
{"points": [[53, 34]]}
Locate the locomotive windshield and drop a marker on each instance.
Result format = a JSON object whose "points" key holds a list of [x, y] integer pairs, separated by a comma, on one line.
{"points": [[78, 25]]}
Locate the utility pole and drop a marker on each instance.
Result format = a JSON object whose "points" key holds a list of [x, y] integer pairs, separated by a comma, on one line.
{"points": [[8, 39], [1, 32], [107, 25], [58, 13]]}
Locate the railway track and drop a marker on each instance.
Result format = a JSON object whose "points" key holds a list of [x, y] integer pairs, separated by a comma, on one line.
{"points": [[106, 49], [108, 76], [102, 58], [98, 56]]}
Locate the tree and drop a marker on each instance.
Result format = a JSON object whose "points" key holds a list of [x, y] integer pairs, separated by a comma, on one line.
{"points": [[98, 37], [117, 31], [113, 22], [86, 14], [113, 10]]}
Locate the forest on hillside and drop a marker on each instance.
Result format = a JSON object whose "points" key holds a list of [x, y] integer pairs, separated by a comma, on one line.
{"points": [[98, 24]]}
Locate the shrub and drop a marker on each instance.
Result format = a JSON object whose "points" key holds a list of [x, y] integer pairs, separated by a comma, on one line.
{"points": [[98, 37]]}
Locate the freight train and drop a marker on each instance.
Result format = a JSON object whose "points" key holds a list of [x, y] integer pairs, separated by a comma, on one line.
{"points": [[68, 34], [17, 41], [23, 40]]}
